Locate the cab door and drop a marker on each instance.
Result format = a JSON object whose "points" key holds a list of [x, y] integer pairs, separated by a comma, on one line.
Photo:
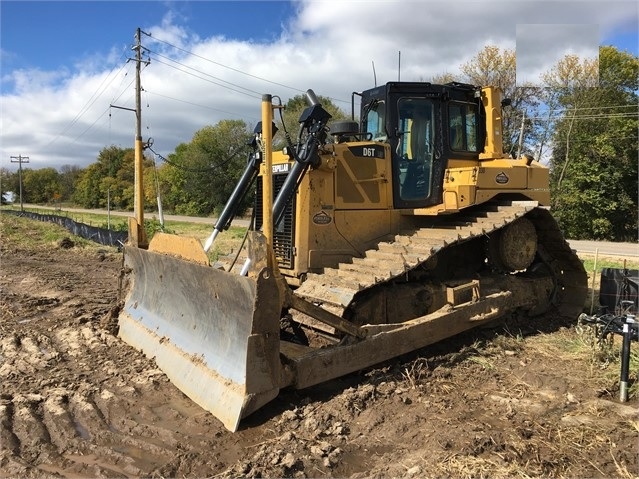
{"points": [[416, 152]]}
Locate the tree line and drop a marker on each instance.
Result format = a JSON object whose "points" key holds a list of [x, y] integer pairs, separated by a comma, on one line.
{"points": [[581, 120]]}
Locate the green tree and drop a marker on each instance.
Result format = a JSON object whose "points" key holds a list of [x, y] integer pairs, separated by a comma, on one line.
{"points": [[87, 188], [199, 177], [123, 183], [172, 177], [69, 176], [41, 185], [594, 157]]}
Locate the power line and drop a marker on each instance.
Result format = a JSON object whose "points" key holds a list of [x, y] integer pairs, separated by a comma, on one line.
{"points": [[89, 103], [102, 114], [200, 105], [254, 95], [207, 74], [590, 117], [556, 114], [590, 139], [124, 77], [225, 66], [603, 107], [91, 125], [235, 69], [190, 169], [105, 111]]}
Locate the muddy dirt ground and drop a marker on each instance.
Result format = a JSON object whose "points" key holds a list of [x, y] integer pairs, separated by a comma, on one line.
{"points": [[76, 402]]}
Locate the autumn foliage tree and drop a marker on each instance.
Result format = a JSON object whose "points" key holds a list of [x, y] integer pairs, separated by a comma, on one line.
{"points": [[41, 185], [583, 121], [494, 66], [109, 178]]}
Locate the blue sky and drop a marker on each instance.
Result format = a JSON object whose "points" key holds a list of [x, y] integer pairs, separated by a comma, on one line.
{"points": [[51, 34], [64, 63]]}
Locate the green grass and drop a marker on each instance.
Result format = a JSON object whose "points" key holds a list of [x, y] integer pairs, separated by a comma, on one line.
{"points": [[589, 263], [25, 233], [226, 243]]}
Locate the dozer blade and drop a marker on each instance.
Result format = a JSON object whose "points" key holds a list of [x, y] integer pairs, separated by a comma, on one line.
{"points": [[215, 334]]}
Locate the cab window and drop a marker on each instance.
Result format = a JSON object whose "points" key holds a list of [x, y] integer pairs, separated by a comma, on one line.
{"points": [[375, 121], [462, 119]]}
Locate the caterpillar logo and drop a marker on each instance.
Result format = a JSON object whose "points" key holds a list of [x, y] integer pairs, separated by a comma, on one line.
{"points": [[281, 168], [322, 218], [502, 178]]}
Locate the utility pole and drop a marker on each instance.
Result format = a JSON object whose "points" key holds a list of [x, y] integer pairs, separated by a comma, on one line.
{"points": [[138, 204], [137, 234], [20, 159]]}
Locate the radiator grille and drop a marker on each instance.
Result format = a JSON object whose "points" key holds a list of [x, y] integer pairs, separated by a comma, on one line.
{"points": [[283, 236]]}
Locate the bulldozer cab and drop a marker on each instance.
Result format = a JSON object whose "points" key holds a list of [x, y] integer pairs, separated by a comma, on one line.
{"points": [[426, 125]]}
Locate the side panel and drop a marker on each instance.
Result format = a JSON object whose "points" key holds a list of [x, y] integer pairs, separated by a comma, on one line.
{"points": [[468, 183], [502, 177], [362, 176], [351, 234], [349, 204], [342, 206]]}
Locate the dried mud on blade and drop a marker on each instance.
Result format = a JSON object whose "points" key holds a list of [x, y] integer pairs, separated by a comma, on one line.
{"points": [[214, 334]]}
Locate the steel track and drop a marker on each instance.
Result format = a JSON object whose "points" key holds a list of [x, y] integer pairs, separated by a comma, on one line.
{"points": [[337, 288]]}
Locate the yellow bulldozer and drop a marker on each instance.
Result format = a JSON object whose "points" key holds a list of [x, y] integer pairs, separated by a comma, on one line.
{"points": [[371, 239]]}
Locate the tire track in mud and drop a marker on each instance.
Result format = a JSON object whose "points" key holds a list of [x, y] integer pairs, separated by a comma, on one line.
{"points": [[64, 416], [47, 415], [75, 401]]}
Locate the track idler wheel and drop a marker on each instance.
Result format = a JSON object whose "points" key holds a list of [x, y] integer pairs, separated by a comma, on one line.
{"points": [[513, 247]]}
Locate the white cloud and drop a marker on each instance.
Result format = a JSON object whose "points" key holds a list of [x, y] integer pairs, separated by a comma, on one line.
{"points": [[62, 117], [170, 32], [27, 81], [540, 47]]}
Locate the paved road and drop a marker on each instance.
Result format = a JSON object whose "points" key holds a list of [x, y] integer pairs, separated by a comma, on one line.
{"points": [[604, 248]]}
